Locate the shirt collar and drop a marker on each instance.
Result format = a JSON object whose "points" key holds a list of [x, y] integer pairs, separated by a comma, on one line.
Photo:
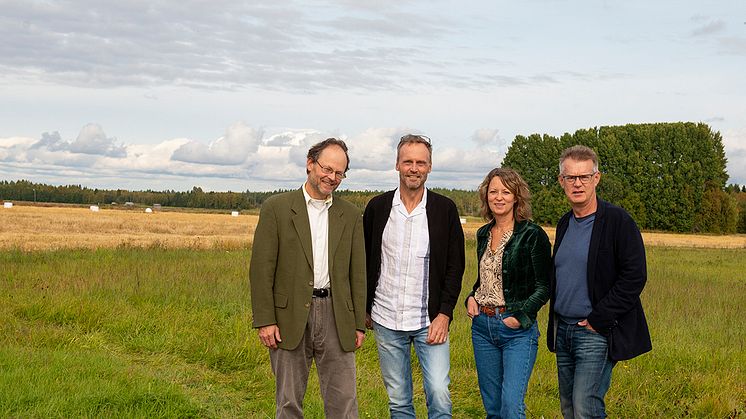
{"points": [[308, 198], [397, 199]]}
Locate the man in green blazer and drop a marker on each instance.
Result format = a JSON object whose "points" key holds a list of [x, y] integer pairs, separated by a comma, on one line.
{"points": [[308, 286]]}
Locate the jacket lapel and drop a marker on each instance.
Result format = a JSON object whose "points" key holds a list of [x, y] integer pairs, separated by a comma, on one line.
{"points": [[598, 227], [336, 227], [302, 227]]}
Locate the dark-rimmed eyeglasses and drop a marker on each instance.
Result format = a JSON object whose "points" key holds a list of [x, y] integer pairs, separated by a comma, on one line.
{"points": [[584, 179], [328, 171]]}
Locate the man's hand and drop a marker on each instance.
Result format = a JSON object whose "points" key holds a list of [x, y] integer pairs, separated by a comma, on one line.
{"points": [[368, 321], [437, 333], [359, 338], [270, 335], [472, 308], [587, 325]]}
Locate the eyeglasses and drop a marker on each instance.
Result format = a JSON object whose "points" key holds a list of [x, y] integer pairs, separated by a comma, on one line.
{"points": [[329, 171], [584, 179]]}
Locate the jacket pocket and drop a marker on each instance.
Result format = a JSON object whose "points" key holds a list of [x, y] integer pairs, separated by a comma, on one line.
{"points": [[281, 300], [350, 306]]}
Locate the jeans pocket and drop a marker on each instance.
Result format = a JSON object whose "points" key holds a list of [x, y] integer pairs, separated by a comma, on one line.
{"points": [[589, 331], [508, 315]]}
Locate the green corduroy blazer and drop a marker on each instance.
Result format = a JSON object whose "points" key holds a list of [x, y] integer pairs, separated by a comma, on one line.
{"points": [[281, 268]]}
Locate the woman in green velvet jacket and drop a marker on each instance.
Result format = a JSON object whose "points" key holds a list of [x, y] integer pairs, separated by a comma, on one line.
{"points": [[514, 257]]}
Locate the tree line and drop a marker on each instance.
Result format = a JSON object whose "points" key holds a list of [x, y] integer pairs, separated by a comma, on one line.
{"points": [[24, 190], [669, 176]]}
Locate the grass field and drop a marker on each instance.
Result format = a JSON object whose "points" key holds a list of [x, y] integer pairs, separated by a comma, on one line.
{"points": [[157, 331]]}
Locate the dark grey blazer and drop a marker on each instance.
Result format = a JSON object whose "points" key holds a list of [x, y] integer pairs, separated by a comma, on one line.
{"points": [[617, 273]]}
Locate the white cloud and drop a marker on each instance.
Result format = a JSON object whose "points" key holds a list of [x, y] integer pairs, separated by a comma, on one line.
{"points": [[709, 28], [465, 161], [52, 141], [93, 140], [14, 148], [375, 148], [218, 44], [734, 142], [238, 144], [238, 160], [175, 74], [485, 136], [733, 45]]}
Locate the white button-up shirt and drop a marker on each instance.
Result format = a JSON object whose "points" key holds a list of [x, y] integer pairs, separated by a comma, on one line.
{"points": [[318, 218], [401, 296]]}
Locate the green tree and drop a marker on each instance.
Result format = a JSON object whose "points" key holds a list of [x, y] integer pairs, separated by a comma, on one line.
{"points": [[661, 173]]}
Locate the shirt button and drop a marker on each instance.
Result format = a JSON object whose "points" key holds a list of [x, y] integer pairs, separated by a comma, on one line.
{"points": [[308, 305], [310, 283]]}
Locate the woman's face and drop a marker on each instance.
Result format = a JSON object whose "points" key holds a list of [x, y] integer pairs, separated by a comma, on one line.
{"points": [[500, 199]]}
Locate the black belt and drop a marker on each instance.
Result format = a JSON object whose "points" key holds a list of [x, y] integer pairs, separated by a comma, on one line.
{"points": [[321, 292]]}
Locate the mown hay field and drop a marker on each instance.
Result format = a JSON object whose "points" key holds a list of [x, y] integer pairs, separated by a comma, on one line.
{"points": [[49, 228]]}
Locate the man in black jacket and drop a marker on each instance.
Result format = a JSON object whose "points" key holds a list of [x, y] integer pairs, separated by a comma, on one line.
{"points": [[595, 313], [415, 260]]}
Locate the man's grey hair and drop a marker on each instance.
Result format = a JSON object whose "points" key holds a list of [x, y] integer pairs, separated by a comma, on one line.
{"points": [[415, 139], [580, 153]]}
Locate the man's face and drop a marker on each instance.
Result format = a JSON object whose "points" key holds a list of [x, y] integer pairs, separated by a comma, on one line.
{"points": [[413, 166], [319, 184], [578, 193]]}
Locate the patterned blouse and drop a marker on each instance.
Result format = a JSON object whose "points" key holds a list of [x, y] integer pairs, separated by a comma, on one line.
{"points": [[490, 292]]}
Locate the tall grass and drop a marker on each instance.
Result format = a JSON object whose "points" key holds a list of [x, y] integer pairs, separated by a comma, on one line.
{"points": [[166, 333]]}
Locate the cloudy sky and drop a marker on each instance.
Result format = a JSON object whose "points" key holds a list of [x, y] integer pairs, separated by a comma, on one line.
{"points": [[228, 95]]}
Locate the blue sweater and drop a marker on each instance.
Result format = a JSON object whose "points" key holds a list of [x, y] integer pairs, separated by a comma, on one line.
{"points": [[617, 273]]}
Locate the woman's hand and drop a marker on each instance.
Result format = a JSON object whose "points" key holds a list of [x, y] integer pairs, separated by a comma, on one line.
{"points": [[512, 322], [472, 308]]}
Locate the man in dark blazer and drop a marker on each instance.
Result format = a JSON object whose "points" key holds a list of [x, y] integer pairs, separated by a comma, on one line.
{"points": [[415, 253], [308, 286], [595, 312]]}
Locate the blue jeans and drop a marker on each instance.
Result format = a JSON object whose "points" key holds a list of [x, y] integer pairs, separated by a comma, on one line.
{"points": [[505, 358], [583, 370], [394, 349]]}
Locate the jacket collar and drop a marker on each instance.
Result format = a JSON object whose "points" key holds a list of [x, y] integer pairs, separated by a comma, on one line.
{"points": [[303, 228], [484, 232]]}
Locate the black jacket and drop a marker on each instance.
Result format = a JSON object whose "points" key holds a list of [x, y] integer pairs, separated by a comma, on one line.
{"points": [[617, 273], [446, 249]]}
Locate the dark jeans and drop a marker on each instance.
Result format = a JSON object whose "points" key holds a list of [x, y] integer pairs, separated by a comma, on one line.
{"points": [[583, 370]]}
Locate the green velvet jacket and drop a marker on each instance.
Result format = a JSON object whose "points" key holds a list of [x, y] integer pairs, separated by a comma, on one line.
{"points": [[527, 262]]}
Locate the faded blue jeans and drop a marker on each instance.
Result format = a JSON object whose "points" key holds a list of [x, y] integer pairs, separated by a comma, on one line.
{"points": [[504, 358], [583, 370], [394, 348]]}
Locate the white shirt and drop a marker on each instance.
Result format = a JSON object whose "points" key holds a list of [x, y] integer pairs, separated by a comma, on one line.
{"points": [[318, 218], [400, 302]]}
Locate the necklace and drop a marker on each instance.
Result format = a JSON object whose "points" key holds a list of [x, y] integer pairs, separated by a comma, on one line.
{"points": [[496, 237]]}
